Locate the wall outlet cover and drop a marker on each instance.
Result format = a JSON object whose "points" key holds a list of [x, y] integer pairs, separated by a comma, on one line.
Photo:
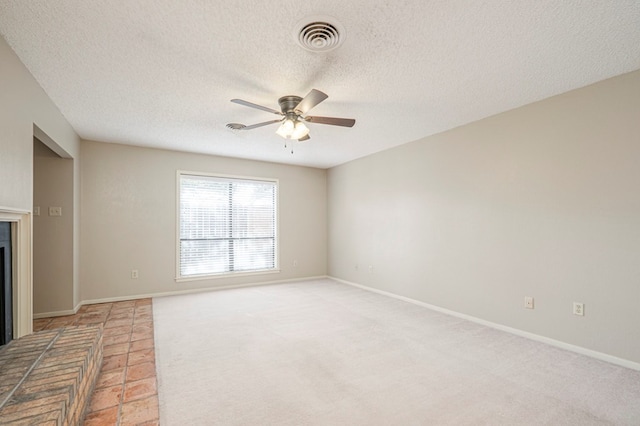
{"points": [[578, 309]]}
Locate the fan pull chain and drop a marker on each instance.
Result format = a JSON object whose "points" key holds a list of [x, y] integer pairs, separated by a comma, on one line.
{"points": [[285, 146]]}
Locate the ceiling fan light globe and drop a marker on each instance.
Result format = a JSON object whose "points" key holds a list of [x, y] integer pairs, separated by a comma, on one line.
{"points": [[286, 128], [292, 129], [300, 130]]}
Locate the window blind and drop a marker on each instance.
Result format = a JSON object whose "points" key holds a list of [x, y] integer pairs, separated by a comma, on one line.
{"points": [[226, 225]]}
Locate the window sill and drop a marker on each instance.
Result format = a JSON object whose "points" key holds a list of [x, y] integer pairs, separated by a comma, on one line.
{"points": [[225, 275]]}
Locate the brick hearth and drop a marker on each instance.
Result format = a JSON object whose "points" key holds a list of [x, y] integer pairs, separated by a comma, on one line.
{"points": [[125, 393], [47, 377]]}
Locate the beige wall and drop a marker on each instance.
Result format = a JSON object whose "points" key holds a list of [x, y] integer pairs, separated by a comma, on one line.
{"points": [[129, 219], [23, 103], [541, 201], [52, 235], [25, 109]]}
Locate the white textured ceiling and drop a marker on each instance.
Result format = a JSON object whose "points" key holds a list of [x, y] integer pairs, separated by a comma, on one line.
{"points": [[161, 73]]}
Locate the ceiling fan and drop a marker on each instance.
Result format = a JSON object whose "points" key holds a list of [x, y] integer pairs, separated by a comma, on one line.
{"points": [[293, 118]]}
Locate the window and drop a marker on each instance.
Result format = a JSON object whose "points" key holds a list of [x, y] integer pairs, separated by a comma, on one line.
{"points": [[226, 225]]}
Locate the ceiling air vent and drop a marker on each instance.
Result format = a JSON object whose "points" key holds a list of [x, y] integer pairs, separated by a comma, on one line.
{"points": [[319, 33]]}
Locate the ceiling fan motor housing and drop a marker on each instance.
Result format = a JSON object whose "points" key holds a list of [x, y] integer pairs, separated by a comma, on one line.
{"points": [[289, 103]]}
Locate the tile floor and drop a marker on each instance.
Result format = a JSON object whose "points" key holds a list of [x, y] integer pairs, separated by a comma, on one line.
{"points": [[126, 389]]}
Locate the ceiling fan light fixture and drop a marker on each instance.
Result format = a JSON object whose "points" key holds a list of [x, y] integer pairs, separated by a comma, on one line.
{"points": [[292, 129]]}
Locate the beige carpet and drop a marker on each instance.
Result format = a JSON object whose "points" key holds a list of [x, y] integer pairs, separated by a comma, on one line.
{"points": [[324, 353]]}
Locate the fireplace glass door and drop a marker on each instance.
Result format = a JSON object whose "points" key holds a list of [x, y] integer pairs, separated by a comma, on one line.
{"points": [[6, 315]]}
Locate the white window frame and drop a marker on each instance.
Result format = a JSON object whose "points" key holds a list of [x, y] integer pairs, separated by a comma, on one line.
{"points": [[275, 269]]}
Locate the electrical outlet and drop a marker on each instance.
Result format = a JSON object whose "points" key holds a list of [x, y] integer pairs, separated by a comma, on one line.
{"points": [[55, 211], [36, 211], [134, 274], [528, 302], [295, 263], [578, 309], [371, 269]]}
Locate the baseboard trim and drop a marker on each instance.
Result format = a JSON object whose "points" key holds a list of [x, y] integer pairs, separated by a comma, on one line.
{"points": [[56, 313], [195, 290], [557, 343]]}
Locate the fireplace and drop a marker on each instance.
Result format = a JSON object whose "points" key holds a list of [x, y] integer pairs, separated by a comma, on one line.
{"points": [[16, 303], [6, 314]]}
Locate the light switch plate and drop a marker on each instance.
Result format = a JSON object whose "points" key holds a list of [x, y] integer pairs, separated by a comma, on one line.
{"points": [[528, 302]]}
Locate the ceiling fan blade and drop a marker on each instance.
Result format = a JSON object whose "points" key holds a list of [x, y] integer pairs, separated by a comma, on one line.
{"points": [[304, 138], [235, 126], [313, 98], [345, 122], [252, 105], [265, 123]]}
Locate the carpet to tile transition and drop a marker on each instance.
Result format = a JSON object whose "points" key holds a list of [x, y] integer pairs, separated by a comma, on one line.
{"points": [[324, 353]]}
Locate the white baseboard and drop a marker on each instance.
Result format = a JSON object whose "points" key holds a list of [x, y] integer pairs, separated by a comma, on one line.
{"points": [[557, 343], [194, 290], [56, 313], [163, 294]]}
